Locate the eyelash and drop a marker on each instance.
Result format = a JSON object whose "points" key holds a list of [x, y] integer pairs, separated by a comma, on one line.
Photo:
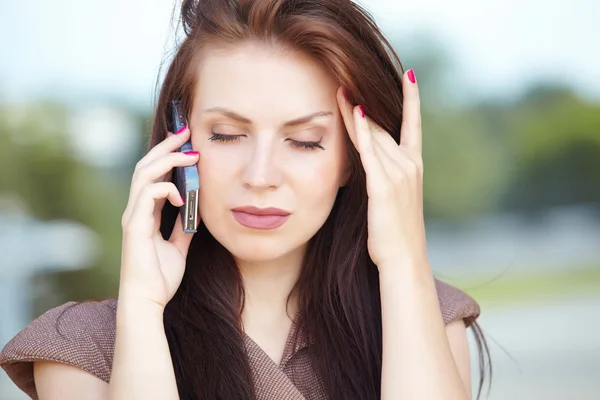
{"points": [[217, 137]]}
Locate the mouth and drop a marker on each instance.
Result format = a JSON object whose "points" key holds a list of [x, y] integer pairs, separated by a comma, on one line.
{"points": [[260, 218]]}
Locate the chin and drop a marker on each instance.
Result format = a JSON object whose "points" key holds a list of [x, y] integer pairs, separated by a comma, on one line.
{"points": [[253, 255], [259, 249], [257, 246]]}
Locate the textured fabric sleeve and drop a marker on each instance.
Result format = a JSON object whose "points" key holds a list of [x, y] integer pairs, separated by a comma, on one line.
{"points": [[456, 304], [77, 334]]}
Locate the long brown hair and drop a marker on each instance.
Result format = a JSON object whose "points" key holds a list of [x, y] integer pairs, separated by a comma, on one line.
{"points": [[338, 289]]}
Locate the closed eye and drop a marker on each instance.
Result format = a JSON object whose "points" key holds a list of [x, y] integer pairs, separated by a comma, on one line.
{"points": [[218, 137], [307, 145]]}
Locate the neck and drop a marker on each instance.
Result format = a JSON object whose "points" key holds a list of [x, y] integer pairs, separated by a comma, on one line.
{"points": [[267, 286]]}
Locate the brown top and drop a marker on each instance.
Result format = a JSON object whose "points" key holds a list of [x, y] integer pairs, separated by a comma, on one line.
{"points": [[85, 337]]}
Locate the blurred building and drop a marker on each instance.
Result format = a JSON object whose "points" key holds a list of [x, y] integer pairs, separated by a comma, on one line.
{"points": [[29, 247]]}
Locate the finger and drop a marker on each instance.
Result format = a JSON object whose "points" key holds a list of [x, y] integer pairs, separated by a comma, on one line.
{"points": [[172, 142], [410, 130], [180, 238], [152, 197], [157, 169], [401, 157], [346, 112], [398, 165], [168, 145], [390, 165], [386, 141], [168, 176], [377, 178]]}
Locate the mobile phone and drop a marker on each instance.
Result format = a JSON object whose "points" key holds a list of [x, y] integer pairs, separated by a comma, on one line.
{"points": [[185, 178]]}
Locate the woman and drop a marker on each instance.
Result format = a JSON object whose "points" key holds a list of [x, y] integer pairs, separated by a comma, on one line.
{"points": [[295, 108]]}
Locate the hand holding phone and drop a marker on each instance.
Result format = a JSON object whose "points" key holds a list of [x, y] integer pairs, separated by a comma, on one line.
{"points": [[153, 264]]}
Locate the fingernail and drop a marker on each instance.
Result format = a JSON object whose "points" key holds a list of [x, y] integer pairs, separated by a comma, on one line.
{"points": [[182, 199], [362, 111], [190, 153], [411, 75], [181, 130]]}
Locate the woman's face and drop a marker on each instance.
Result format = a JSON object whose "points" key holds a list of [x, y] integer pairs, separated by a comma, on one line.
{"points": [[269, 133]]}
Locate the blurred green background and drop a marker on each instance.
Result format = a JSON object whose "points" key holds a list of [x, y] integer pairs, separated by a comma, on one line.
{"points": [[537, 152], [512, 199]]}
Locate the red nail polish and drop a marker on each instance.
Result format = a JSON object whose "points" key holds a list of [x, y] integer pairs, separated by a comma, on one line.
{"points": [[190, 153], [182, 199], [411, 75], [181, 130], [362, 111]]}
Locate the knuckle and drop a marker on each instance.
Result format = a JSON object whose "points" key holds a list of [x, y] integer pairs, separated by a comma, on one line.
{"points": [[124, 220], [170, 187], [138, 165], [128, 227], [142, 173], [161, 189], [411, 168], [131, 231], [419, 166]]}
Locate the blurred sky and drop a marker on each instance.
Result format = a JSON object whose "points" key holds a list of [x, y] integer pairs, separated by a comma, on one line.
{"points": [[74, 48]]}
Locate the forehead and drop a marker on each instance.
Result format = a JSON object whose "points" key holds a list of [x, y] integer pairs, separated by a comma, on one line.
{"points": [[253, 78]]}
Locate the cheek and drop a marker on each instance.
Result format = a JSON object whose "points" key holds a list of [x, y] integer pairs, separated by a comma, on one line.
{"points": [[215, 180], [215, 168], [318, 179]]}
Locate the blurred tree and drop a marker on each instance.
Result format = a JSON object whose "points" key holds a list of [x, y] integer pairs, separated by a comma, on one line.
{"points": [[554, 138], [540, 150], [464, 172], [435, 68], [39, 168]]}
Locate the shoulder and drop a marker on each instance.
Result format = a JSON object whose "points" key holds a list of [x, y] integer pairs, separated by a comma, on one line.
{"points": [[81, 335], [456, 304]]}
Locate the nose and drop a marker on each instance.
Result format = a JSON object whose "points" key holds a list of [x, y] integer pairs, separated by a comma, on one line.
{"points": [[262, 167]]}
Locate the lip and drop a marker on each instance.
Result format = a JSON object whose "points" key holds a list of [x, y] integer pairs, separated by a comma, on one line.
{"points": [[260, 218], [262, 211]]}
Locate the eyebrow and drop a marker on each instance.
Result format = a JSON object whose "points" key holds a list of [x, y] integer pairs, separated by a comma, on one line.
{"points": [[293, 122]]}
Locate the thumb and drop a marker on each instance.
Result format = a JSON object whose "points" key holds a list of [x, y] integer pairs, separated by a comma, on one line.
{"points": [[180, 239]]}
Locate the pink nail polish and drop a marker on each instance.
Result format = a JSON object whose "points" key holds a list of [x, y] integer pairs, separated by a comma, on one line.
{"points": [[362, 111], [190, 153], [182, 199], [181, 130], [411, 75]]}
